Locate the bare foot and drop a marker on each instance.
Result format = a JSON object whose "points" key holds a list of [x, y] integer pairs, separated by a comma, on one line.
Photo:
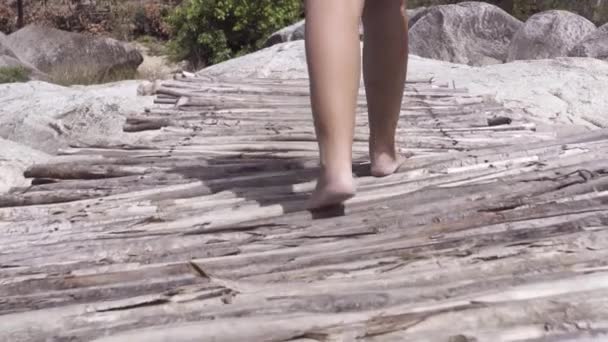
{"points": [[385, 164], [332, 190]]}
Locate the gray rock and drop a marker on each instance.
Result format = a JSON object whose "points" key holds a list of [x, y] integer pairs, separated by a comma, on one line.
{"points": [[58, 52], [148, 88], [549, 34], [287, 34], [562, 91], [48, 117], [14, 159], [472, 33], [4, 49], [415, 14], [8, 59], [38, 118], [594, 45], [286, 60]]}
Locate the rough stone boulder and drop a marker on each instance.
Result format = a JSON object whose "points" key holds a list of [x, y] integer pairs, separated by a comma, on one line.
{"points": [[594, 45], [472, 33], [59, 52], [287, 34], [4, 49], [413, 15], [14, 159], [48, 117], [549, 34], [8, 59], [284, 61], [11, 62]]}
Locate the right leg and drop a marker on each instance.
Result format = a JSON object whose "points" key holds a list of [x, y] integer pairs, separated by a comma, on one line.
{"points": [[333, 56], [385, 55]]}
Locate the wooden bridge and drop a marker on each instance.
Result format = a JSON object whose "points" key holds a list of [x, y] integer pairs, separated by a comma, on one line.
{"points": [[492, 231]]}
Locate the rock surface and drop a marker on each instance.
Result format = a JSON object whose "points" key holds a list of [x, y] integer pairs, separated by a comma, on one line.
{"points": [[563, 91], [4, 49], [58, 52], [287, 34], [549, 34], [48, 117], [35, 74], [472, 33], [14, 159], [415, 14], [11, 62], [284, 60], [8, 59], [594, 45]]}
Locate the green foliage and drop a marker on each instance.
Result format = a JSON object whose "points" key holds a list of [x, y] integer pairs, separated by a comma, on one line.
{"points": [[210, 31], [14, 74]]}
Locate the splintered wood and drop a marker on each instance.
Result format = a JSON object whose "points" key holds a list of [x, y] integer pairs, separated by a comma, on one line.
{"points": [[492, 231]]}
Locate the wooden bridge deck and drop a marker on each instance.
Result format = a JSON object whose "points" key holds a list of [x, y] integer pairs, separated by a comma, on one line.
{"points": [[492, 231]]}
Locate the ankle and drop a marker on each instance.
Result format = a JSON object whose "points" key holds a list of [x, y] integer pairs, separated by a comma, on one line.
{"points": [[383, 152], [336, 170], [382, 145]]}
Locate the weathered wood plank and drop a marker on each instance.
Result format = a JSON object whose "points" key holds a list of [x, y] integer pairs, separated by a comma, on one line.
{"points": [[489, 231]]}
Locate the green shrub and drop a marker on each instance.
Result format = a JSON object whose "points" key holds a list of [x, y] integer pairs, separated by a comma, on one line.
{"points": [[210, 31], [14, 74]]}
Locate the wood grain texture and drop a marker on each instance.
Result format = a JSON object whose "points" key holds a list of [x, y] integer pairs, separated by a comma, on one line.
{"points": [[491, 231]]}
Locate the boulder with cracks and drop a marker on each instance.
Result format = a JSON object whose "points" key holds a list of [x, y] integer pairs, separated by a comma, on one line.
{"points": [[549, 34]]}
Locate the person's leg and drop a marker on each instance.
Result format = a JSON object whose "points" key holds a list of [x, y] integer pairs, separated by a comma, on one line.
{"points": [[385, 55], [333, 56]]}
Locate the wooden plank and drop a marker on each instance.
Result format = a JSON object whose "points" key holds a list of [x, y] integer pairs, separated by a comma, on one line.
{"points": [[490, 230]]}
